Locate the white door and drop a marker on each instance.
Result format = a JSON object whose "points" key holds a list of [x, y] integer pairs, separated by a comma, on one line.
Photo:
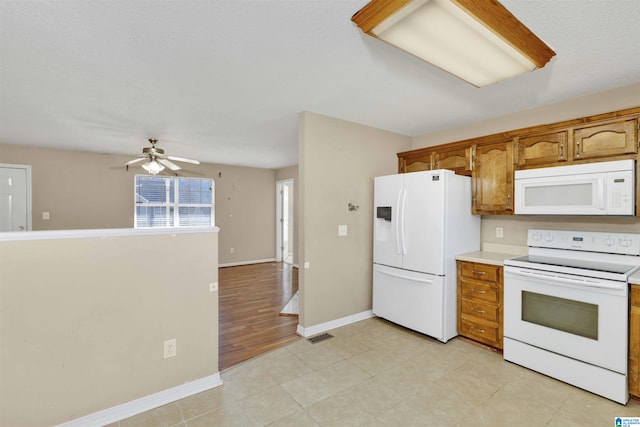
{"points": [[424, 222], [387, 201], [284, 221], [15, 197]]}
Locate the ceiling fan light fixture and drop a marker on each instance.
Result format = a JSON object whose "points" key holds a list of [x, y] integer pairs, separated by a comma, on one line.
{"points": [[479, 41], [153, 167]]}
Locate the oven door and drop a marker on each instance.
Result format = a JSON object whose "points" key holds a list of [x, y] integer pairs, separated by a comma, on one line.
{"points": [[560, 313]]}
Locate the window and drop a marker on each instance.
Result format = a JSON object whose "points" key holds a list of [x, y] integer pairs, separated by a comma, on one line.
{"points": [[163, 201]]}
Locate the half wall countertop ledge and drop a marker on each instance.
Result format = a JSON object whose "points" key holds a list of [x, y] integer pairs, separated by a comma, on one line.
{"points": [[101, 232]]}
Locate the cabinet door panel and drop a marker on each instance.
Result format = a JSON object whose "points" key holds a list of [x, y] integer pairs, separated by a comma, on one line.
{"points": [[493, 178], [609, 139], [542, 149], [458, 160]]}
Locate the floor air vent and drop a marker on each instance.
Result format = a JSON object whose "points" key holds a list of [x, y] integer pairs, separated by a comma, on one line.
{"points": [[319, 338]]}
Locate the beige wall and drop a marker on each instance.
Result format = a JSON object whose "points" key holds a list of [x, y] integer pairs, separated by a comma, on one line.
{"points": [[85, 190], [82, 322], [292, 173], [338, 161], [515, 227], [588, 105]]}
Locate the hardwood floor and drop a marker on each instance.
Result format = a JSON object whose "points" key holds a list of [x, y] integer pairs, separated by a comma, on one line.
{"points": [[250, 298]]}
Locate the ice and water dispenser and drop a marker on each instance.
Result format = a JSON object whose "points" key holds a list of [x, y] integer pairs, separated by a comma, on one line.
{"points": [[383, 223]]}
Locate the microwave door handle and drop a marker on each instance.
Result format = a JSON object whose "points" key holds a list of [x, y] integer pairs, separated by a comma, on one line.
{"points": [[601, 193]]}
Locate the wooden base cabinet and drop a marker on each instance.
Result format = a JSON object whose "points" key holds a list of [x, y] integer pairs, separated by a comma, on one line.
{"points": [[480, 299], [634, 342]]}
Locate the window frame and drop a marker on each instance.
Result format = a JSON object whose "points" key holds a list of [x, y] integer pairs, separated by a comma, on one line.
{"points": [[172, 203]]}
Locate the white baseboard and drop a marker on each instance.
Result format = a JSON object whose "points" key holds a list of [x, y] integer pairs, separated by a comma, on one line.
{"points": [[333, 324], [138, 406], [255, 261]]}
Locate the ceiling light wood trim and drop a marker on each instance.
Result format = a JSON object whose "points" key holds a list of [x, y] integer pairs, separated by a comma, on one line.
{"points": [[375, 12], [498, 19]]}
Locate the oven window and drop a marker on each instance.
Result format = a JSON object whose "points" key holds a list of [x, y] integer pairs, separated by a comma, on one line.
{"points": [[574, 317]]}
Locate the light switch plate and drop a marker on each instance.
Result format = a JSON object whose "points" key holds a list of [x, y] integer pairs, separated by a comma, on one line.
{"points": [[342, 230]]}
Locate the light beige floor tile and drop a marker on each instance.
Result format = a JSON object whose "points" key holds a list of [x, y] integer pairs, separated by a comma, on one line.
{"points": [[300, 346], [165, 416], [586, 409], [405, 382], [373, 396], [343, 374], [248, 382], [471, 386], [286, 366], [410, 413], [321, 355], [339, 411], [201, 403], [347, 347], [298, 419], [229, 415], [270, 405], [309, 389]]}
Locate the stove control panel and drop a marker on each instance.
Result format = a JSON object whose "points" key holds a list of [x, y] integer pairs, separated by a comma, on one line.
{"points": [[591, 241]]}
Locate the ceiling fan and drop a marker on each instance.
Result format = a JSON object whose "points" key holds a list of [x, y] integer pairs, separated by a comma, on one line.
{"points": [[156, 160]]}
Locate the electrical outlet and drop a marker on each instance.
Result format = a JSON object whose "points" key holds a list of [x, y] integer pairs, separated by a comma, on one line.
{"points": [[232, 250], [213, 286], [342, 230], [307, 264], [170, 349], [499, 232], [45, 216]]}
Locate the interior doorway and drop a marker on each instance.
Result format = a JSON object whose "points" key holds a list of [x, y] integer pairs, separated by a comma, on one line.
{"points": [[284, 221], [15, 197]]}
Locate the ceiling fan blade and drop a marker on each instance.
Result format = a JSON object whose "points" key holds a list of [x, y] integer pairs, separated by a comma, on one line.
{"points": [[130, 162], [169, 164], [182, 159]]}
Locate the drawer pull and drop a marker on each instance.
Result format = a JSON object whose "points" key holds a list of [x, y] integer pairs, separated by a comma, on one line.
{"points": [[477, 310], [478, 291], [481, 273], [473, 328]]}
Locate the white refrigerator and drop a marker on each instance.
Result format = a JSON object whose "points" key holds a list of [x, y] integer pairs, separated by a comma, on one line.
{"points": [[422, 220]]}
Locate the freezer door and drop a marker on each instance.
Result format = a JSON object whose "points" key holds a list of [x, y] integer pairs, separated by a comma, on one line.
{"points": [[414, 300], [423, 222], [387, 200]]}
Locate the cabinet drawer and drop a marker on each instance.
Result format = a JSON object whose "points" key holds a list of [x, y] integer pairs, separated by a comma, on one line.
{"points": [[480, 271], [480, 309], [479, 291], [481, 332]]}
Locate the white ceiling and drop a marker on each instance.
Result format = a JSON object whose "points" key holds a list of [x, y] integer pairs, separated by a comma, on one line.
{"points": [[223, 81]]}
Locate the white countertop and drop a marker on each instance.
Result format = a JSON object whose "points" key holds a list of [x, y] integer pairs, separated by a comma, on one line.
{"points": [[494, 254], [634, 279]]}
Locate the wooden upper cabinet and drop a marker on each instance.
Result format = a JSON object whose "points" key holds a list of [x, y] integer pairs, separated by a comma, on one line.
{"points": [[457, 160], [605, 140], [414, 162], [546, 149], [492, 178]]}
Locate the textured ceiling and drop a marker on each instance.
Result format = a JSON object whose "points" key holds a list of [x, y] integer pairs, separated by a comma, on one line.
{"points": [[223, 81]]}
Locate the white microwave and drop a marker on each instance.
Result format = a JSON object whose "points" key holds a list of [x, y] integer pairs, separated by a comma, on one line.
{"points": [[604, 188]]}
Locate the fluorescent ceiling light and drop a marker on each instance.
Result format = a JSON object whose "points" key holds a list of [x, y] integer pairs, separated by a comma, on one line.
{"points": [[479, 41]]}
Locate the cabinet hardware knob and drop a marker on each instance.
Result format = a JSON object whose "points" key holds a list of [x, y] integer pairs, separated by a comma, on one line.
{"points": [[478, 272], [482, 331], [477, 310], [478, 291]]}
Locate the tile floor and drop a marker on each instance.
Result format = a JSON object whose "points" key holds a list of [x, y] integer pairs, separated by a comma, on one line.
{"points": [[373, 373]]}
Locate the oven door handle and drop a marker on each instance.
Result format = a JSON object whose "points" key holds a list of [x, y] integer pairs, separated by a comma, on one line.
{"points": [[592, 283]]}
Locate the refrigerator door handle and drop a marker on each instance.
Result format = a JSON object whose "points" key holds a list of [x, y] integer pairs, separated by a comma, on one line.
{"points": [[398, 221], [404, 240], [402, 276]]}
